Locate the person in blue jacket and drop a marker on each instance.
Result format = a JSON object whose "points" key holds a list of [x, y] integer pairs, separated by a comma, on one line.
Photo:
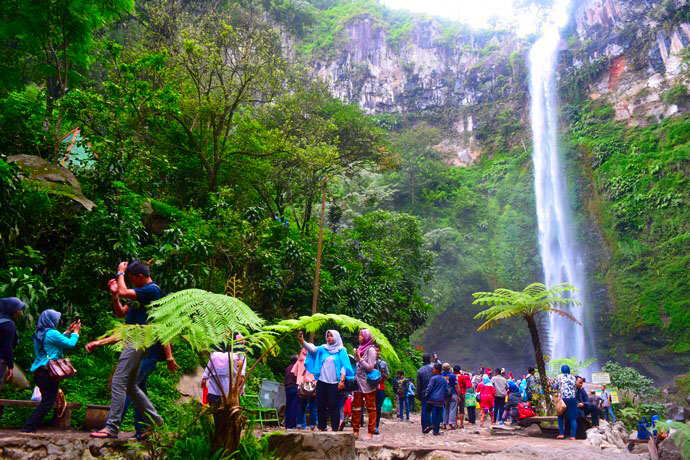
{"points": [[330, 366], [435, 395], [49, 344]]}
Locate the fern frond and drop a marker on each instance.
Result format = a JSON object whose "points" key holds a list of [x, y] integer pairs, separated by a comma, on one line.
{"points": [[565, 314], [316, 322]]}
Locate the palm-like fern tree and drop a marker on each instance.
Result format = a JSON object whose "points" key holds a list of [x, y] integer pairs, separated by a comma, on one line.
{"points": [[527, 304], [209, 321]]}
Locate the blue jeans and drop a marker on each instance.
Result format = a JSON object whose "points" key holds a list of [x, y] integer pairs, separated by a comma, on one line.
{"points": [[403, 404], [570, 415], [436, 417], [307, 406], [146, 368], [291, 407], [499, 405], [426, 415], [608, 414]]}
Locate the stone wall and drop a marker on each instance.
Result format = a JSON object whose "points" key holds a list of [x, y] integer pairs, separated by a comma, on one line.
{"points": [[59, 446]]}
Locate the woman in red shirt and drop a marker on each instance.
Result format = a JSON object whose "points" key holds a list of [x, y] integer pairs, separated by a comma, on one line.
{"points": [[486, 393]]}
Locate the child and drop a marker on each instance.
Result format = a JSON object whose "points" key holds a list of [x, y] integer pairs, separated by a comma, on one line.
{"points": [[471, 404], [487, 393], [514, 399]]}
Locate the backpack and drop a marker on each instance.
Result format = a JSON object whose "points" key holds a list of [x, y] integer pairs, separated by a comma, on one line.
{"points": [[525, 410], [403, 387], [470, 398], [449, 387]]}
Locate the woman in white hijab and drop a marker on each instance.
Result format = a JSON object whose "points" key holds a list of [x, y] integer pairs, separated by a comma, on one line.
{"points": [[330, 366]]}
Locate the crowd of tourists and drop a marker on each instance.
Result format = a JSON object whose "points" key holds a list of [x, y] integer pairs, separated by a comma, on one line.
{"points": [[324, 386], [449, 396]]}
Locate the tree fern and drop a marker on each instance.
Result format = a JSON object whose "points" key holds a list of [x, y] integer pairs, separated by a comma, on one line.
{"points": [[534, 299], [207, 320], [202, 318], [317, 321]]}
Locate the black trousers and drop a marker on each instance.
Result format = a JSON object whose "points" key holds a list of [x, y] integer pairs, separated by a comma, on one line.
{"points": [[380, 397], [49, 390], [472, 414], [329, 408]]}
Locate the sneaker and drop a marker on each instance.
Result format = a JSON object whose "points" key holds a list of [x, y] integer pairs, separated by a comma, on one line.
{"points": [[426, 430], [27, 430], [376, 431]]}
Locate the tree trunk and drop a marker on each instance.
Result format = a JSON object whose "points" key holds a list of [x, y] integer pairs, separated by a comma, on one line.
{"points": [[539, 357], [319, 253], [227, 432]]}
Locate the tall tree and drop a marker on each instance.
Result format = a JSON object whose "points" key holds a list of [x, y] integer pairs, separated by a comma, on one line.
{"points": [[223, 63], [52, 41], [527, 304]]}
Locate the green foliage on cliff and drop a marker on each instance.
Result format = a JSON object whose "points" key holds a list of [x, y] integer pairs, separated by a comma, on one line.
{"points": [[480, 225], [641, 178]]}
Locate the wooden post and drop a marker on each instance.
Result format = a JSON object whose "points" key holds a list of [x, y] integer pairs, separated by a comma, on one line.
{"points": [[319, 252]]}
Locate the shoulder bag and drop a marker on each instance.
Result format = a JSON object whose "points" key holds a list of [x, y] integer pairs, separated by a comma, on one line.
{"points": [[59, 369]]}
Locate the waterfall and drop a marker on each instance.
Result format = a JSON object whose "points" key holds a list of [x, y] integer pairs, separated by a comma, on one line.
{"points": [[561, 260]]}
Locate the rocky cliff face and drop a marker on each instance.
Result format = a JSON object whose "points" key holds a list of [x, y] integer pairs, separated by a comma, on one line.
{"points": [[640, 44], [427, 71], [633, 46]]}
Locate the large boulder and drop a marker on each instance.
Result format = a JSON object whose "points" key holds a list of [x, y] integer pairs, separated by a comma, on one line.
{"points": [[668, 450], [608, 436], [309, 445]]}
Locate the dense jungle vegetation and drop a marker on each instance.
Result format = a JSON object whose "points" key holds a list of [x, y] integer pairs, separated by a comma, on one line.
{"points": [[204, 150]]}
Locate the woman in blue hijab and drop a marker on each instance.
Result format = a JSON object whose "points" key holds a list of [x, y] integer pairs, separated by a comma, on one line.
{"points": [[49, 344], [10, 310]]}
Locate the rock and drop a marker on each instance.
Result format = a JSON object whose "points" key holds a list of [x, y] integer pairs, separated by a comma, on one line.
{"points": [[533, 430], [668, 450], [675, 412], [312, 445]]}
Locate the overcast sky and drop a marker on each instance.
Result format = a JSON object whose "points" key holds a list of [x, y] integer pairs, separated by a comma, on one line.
{"points": [[476, 13]]}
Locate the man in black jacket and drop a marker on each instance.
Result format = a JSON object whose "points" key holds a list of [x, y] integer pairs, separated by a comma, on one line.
{"points": [[424, 374], [584, 405], [10, 310]]}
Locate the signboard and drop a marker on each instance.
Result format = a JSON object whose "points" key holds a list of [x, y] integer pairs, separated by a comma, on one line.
{"points": [[614, 397], [601, 378]]}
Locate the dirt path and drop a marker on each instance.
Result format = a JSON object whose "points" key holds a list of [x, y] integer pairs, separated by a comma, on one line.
{"points": [[406, 437]]}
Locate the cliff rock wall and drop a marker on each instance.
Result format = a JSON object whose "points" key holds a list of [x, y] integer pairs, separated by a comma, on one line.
{"points": [[641, 44]]}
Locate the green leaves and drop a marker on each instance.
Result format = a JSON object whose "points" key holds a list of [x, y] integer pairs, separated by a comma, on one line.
{"points": [[206, 321], [318, 321], [532, 300]]}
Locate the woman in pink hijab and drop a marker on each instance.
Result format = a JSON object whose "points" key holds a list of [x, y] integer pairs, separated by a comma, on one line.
{"points": [[305, 405], [365, 355]]}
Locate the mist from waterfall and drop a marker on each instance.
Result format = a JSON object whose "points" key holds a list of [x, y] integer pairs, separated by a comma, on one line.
{"points": [[561, 260]]}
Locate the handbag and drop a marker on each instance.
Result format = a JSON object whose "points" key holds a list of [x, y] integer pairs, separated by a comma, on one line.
{"points": [[351, 385], [561, 407], [60, 369], [306, 390], [373, 377]]}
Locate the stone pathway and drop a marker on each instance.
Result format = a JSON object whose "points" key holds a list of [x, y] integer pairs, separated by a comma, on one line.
{"points": [[405, 441], [473, 441]]}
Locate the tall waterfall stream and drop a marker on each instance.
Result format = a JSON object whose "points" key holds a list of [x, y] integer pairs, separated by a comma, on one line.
{"points": [[561, 259]]}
